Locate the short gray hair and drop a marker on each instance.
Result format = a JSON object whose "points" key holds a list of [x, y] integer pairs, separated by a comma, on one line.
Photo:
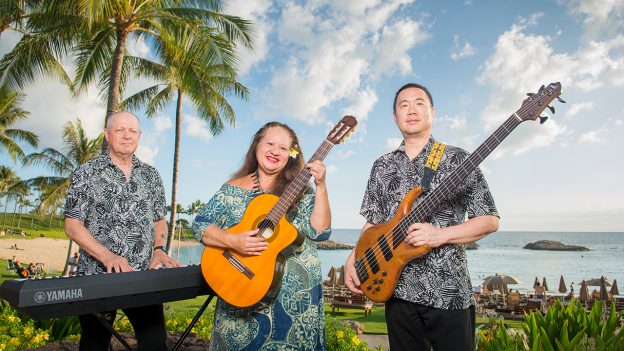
{"points": [[108, 121]]}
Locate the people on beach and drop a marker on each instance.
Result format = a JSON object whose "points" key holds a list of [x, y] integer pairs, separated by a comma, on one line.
{"points": [[115, 211], [294, 319], [73, 264], [540, 291], [433, 303]]}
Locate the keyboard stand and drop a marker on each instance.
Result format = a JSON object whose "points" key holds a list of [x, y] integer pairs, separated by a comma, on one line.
{"points": [[192, 324], [105, 323]]}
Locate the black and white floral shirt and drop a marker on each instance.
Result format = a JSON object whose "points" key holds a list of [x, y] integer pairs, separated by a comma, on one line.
{"points": [[118, 213], [440, 278]]}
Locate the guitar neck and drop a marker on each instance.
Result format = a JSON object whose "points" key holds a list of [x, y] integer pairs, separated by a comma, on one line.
{"points": [[296, 186], [453, 180]]}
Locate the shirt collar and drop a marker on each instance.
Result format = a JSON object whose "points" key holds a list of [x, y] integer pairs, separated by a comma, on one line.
{"points": [[425, 149], [104, 160]]}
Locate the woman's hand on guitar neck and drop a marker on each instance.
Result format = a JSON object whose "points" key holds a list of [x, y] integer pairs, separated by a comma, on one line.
{"points": [[351, 279], [247, 243]]}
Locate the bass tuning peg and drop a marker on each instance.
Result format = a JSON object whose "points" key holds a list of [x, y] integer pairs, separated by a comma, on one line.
{"points": [[530, 94], [543, 119], [561, 100], [552, 109]]}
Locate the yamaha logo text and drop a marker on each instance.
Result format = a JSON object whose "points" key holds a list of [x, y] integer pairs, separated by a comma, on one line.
{"points": [[58, 295]]}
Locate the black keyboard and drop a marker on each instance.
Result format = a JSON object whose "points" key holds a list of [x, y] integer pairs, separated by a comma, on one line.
{"points": [[69, 296]]}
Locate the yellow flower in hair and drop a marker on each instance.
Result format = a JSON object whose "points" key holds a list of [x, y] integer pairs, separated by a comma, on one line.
{"points": [[294, 151]]}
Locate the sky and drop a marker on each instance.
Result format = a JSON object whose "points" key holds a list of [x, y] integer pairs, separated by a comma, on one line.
{"points": [[316, 61]]}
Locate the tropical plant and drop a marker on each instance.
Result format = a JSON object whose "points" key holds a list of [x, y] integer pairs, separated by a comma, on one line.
{"points": [[13, 13], [193, 208], [79, 148], [10, 112], [8, 182], [199, 64]]}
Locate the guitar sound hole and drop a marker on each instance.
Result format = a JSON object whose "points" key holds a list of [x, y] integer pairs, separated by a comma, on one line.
{"points": [[266, 229]]}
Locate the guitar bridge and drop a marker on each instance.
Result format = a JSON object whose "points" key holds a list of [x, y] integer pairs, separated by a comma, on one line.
{"points": [[238, 264]]}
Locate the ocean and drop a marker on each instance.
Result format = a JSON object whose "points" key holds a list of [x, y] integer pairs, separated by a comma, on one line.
{"points": [[502, 252]]}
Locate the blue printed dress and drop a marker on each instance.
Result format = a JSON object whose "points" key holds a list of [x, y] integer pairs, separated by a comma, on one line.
{"points": [[295, 319]]}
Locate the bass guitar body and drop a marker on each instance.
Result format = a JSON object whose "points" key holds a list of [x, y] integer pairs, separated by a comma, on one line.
{"points": [[381, 254], [244, 280]]}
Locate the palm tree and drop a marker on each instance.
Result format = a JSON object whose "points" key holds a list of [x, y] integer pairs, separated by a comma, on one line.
{"points": [[78, 149], [97, 32], [10, 112], [13, 13], [193, 209], [195, 64], [8, 179]]}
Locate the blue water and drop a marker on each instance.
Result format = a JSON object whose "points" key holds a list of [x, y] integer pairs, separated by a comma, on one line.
{"points": [[502, 253]]}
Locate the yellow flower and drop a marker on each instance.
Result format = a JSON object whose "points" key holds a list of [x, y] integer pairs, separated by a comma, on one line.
{"points": [[14, 341], [28, 331], [339, 334], [355, 340], [294, 151]]}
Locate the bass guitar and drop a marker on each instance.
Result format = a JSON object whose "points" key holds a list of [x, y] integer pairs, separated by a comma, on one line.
{"points": [[381, 251], [244, 280]]}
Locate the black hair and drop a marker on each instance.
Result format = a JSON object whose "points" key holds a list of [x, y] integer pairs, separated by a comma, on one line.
{"points": [[411, 85]]}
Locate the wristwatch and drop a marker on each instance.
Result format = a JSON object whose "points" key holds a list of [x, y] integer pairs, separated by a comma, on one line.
{"points": [[160, 247]]}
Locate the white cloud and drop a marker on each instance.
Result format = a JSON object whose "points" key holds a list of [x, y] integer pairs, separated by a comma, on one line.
{"points": [[618, 122], [344, 154], [459, 52], [604, 16], [594, 137], [162, 123], [579, 107], [392, 144], [362, 104], [334, 54], [521, 61], [331, 168], [196, 127], [257, 12], [457, 122]]}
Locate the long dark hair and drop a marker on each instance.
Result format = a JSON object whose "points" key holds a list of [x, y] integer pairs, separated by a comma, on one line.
{"points": [[293, 166]]}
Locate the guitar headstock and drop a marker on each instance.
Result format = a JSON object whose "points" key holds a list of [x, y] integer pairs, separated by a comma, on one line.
{"points": [[536, 103], [342, 130]]}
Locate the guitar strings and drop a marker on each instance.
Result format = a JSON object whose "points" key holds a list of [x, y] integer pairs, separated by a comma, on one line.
{"points": [[427, 205]]}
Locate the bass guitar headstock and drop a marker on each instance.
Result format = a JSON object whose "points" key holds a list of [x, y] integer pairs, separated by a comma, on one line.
{"points": [[533, 106]]}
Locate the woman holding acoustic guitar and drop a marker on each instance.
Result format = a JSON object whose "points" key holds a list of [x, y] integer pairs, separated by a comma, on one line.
{"points": [[294, 318]]}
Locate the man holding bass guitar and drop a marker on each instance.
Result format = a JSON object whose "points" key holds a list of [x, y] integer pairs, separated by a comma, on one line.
{"points": [[432, 305]]}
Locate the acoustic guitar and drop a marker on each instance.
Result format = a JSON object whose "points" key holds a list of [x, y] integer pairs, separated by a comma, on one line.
{"points": [[243, 280], [381, 251]]}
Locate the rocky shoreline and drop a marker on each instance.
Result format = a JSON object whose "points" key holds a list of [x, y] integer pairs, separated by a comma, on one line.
{"points": [[553, 246], [333, 245]]}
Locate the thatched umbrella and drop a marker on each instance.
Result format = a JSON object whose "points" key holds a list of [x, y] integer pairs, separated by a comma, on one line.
{"points": [[614, 288], [341, 277], [333, 277], [544, 284], [597, 281], [535, 283], [583, 292], [562, 286], [604, 295], [500, 281]]}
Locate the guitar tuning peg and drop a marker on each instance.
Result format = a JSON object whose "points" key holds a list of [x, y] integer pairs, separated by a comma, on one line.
{"points": [[542, 88], [530, 94], [561, 100], [543, 119], [552, 109]]}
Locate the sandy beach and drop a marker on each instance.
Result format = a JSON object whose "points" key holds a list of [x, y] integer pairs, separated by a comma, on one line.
{"points": [[51, 252]]}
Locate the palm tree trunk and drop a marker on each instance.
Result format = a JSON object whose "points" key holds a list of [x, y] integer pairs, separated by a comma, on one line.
{"points": [[14, 211], [69, 255], [50, 223], [112, 103], [174, 182], [19, 221], [32, 221], [6, 205]]}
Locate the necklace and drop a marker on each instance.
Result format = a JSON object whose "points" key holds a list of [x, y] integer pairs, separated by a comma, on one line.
{"points": [[257, 187]]}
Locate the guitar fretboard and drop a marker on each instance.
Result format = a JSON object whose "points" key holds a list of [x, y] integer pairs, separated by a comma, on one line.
{"points": [[296, 186]]}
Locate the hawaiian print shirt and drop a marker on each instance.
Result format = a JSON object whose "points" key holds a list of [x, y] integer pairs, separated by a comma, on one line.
{"points": [[439, 279], [119, 214]]}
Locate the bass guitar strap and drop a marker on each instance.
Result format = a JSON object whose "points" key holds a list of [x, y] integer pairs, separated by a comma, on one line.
{"points": [[432, 164]]}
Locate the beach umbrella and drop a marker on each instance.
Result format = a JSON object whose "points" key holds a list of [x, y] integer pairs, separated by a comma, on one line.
{"points": [[583, 292], [614, 288], [562, 286], [341, 279], [596, 282], [500, 281], [535, 283], [544, 284], [604, 295], [333, 277]]}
